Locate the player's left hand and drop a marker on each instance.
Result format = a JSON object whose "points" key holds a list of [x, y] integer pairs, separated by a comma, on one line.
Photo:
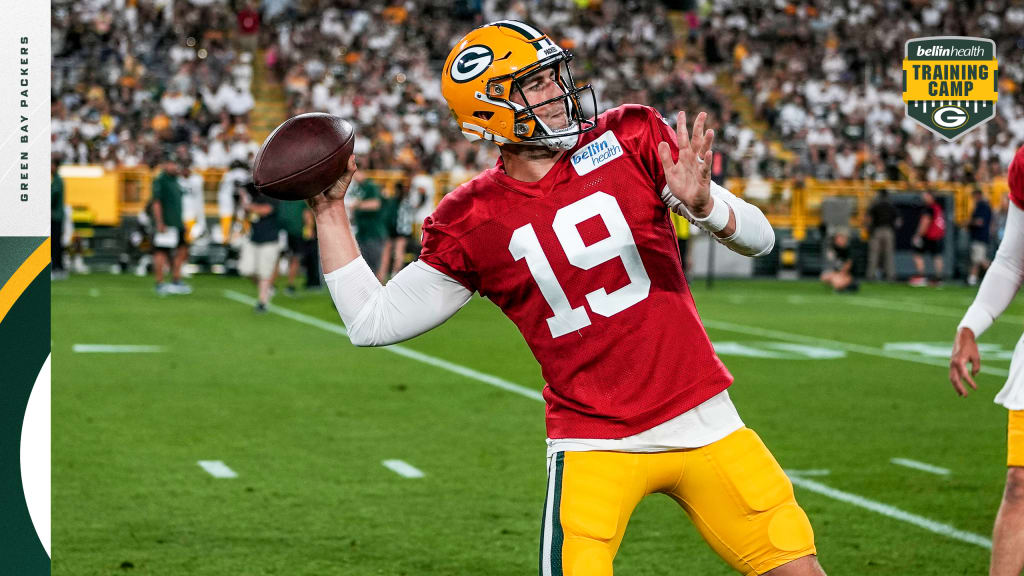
{"points": [[689, 179], [965, 349]]}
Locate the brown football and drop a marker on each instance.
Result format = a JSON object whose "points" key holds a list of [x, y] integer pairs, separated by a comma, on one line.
{"points": [[303, 157]]}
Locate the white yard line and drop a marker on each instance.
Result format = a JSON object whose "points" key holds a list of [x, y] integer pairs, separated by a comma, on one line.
{"points": [[847, 346], [115, 349], [811, 472], [894, 305], [795, 476], [922, 466], [892, 512], [218, 469], [929, 309], [403, 468], [397, 349]]}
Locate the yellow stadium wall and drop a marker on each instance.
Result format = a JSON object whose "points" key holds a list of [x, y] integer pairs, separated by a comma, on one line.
{"points": [[103, 197], [93, 191]]}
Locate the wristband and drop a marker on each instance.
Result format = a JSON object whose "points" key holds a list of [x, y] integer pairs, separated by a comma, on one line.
{"points": [[716, 220]]}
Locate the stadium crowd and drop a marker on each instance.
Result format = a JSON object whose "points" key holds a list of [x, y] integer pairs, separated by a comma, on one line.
{"points": [[132, 76], [132, 80], [827, 78], [382, 68]]}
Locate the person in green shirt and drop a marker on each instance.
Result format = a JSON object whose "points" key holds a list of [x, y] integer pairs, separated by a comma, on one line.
{"points": [[170, 229], [291, 217], [56, 220], [368, 217]]}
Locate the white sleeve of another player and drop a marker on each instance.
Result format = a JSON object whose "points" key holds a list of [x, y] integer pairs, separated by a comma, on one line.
{"points": [[417, 299], [754, 235], [1003, 278]]}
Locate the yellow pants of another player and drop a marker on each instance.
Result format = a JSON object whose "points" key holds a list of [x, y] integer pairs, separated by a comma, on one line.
{"points": [[225, 228], [1015, 439], [733, 489]]}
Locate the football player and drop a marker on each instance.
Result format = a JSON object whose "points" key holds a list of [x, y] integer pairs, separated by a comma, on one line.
{"points": [[570, 235], [1001, 283]]}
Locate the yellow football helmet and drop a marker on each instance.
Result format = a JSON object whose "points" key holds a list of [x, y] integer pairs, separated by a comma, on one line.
{"points": [[489, 65]]}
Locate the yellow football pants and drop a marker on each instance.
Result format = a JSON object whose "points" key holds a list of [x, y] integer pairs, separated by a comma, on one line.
{"points": [[733, 489], [1015, 439], [225, 228]]}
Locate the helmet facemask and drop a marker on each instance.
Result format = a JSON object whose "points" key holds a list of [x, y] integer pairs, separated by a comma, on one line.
{"points": [[530, 128]]}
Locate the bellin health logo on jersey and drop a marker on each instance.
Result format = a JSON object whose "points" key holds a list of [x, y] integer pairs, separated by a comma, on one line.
{"points": [[598, 152], [950, 83]]}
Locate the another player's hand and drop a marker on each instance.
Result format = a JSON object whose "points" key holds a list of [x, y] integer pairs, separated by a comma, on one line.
{"points": [[689, 179], [917, 242], [965, 349], [336, 194]]}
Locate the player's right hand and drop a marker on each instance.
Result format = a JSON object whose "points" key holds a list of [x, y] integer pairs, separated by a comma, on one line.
{"points": [[337, 192], [965, 349]]}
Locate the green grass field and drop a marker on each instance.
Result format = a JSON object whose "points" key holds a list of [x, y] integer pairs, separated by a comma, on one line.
{"points": [[842, 383]]}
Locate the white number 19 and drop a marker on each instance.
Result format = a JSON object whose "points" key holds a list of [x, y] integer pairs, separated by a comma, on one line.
{"points": [[618, 244]]}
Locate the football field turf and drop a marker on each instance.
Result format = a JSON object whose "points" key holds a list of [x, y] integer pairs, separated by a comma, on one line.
{"points": [[838, 386]]}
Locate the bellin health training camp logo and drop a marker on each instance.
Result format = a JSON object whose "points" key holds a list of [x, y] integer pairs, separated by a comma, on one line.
{"points": [[950, 83]]}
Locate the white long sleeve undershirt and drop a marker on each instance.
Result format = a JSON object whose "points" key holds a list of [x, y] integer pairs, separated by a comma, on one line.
{"points": [[1003, 278], [417, 299]]}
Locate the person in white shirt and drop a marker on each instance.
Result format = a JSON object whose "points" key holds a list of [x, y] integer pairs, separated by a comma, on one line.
{"points": [[176, 104], [226, 199], [193, 205], [238, 103]]}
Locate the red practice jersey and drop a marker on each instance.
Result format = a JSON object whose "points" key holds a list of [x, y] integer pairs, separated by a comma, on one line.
{"points": [[1016, 178], [585, 263]]}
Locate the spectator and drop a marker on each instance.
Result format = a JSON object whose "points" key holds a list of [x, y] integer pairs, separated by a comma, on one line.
{"points": [[259, 256], [249, 25], [242, 148], [238, 102], [228, 192], [979, 229], [882, 220], [371, 231], [292, 218], [421, 194], [1000, 218], [169, 237], [839, 274], [312, 255], [682, 226], [928, 240], [193, 201], [397, 212], [57, 271]]}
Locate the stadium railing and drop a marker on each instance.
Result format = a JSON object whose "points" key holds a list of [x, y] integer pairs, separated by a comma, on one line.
{"points": [[101, 198]]}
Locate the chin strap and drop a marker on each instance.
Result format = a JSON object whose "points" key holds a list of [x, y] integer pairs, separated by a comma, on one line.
{"points": [[556, 142]]}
